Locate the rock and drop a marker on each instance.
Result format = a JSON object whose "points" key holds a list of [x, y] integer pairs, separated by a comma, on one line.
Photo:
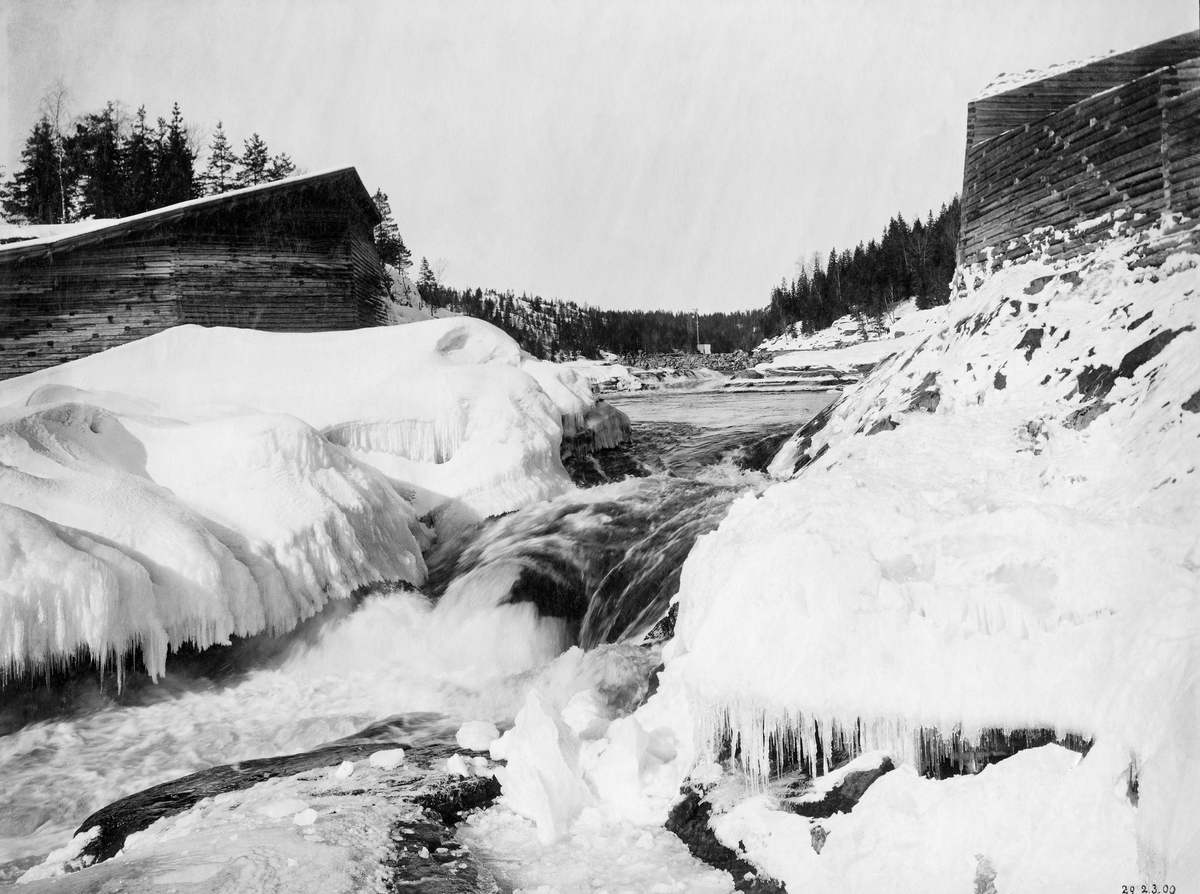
{"points": [[477, 735], [843, 796], [688, 821], [1086, 415]]}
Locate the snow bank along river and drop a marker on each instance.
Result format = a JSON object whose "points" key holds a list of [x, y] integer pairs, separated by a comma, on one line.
{"points": [[949, 642], [145, 519]]}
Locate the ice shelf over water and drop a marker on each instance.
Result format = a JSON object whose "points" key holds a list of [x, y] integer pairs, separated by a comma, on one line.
{"points": [[204, 483]]}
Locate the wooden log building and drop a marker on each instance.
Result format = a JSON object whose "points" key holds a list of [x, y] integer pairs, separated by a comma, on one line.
{"points": [[1119, 136], [295, 255]]}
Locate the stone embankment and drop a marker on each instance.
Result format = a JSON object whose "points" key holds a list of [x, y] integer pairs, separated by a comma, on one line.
{"points": [[729, 363]]}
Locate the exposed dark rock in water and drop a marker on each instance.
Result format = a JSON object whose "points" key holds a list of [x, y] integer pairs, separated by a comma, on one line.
{"points": [[689, 822], [602, 467], [842, 797], [427, 859], [139, 811], [607, 560]]}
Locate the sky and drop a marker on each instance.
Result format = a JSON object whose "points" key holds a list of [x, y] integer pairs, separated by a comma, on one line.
{"points": [[645, 154]]}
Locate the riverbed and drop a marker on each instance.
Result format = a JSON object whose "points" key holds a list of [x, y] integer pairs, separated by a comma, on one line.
{"points": [[504, 607]]}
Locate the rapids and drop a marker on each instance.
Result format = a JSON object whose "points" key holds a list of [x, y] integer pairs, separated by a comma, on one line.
{"points": [[558, 596]]}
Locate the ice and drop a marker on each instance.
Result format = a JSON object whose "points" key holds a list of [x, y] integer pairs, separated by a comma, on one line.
{"points": [[456, 765], [542, 780], [388, 759], [1041, 820], [282, 808], [997, 530], [477, 735], [201, 484], [344, 770]]}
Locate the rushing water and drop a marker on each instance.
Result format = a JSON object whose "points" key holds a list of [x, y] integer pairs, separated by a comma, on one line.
{"points": [[505, 606]]}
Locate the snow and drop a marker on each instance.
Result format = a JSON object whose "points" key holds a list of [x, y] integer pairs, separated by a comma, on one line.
{"points": [[600, 854], [846, 330], [1006, 81], [207, 483], [1040, 821], [542, 780], [387, 759], [995, 561], [477, 735], [608, 376]]}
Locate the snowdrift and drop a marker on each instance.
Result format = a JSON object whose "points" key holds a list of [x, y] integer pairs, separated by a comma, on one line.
{"points": [[205, 483], [998, 529]]}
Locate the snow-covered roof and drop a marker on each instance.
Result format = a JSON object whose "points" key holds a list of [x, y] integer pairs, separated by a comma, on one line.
{"points": [[46, 239], [1006, 81]]}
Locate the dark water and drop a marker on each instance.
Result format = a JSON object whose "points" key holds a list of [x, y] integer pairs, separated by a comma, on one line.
{"points": [[608, 558]]}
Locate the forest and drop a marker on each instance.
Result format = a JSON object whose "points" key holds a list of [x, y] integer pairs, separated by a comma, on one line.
{"points": [[914, 261], [108, 163]]}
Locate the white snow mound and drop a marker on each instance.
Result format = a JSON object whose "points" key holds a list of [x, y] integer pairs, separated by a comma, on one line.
{"points": [[999, 528], [205, 483]]}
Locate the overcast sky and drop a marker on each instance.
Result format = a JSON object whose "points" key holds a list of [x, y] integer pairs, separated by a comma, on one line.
{"points": [[623, 154]]}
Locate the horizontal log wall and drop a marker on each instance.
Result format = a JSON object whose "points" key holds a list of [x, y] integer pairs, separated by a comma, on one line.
{"points": [[993, 115], [301, 262], [1129, 152], [74, 304]]}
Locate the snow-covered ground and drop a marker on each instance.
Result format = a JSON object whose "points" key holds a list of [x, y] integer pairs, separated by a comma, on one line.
{"points": [[837, 356], [846, 331], [203, 483], [999, 529]]}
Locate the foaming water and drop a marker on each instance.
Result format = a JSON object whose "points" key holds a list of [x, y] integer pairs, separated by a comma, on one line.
{"points": [[556, 596], [605, 560]]}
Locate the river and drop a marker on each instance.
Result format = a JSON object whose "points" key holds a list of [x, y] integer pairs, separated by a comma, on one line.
{"points": [[503, 603]]}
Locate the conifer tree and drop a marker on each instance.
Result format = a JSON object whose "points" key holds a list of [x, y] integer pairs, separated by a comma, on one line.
{"points": [[38, 193], [94, 152], [281, 166], [427, 283], [174, 160], [388, 242], [255, 161], [219, 176], [138, 185]]}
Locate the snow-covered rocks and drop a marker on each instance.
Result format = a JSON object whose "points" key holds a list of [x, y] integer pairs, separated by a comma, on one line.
{"points": [[964, 553], [205, 483]]}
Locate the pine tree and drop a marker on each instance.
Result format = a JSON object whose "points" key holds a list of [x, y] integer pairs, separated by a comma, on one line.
{"points": [[427, 283], [138, 184], [174, 161], [95, 151], [281, 166], [390, 246], [218, 176], [41, 191], [255, 160]]}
